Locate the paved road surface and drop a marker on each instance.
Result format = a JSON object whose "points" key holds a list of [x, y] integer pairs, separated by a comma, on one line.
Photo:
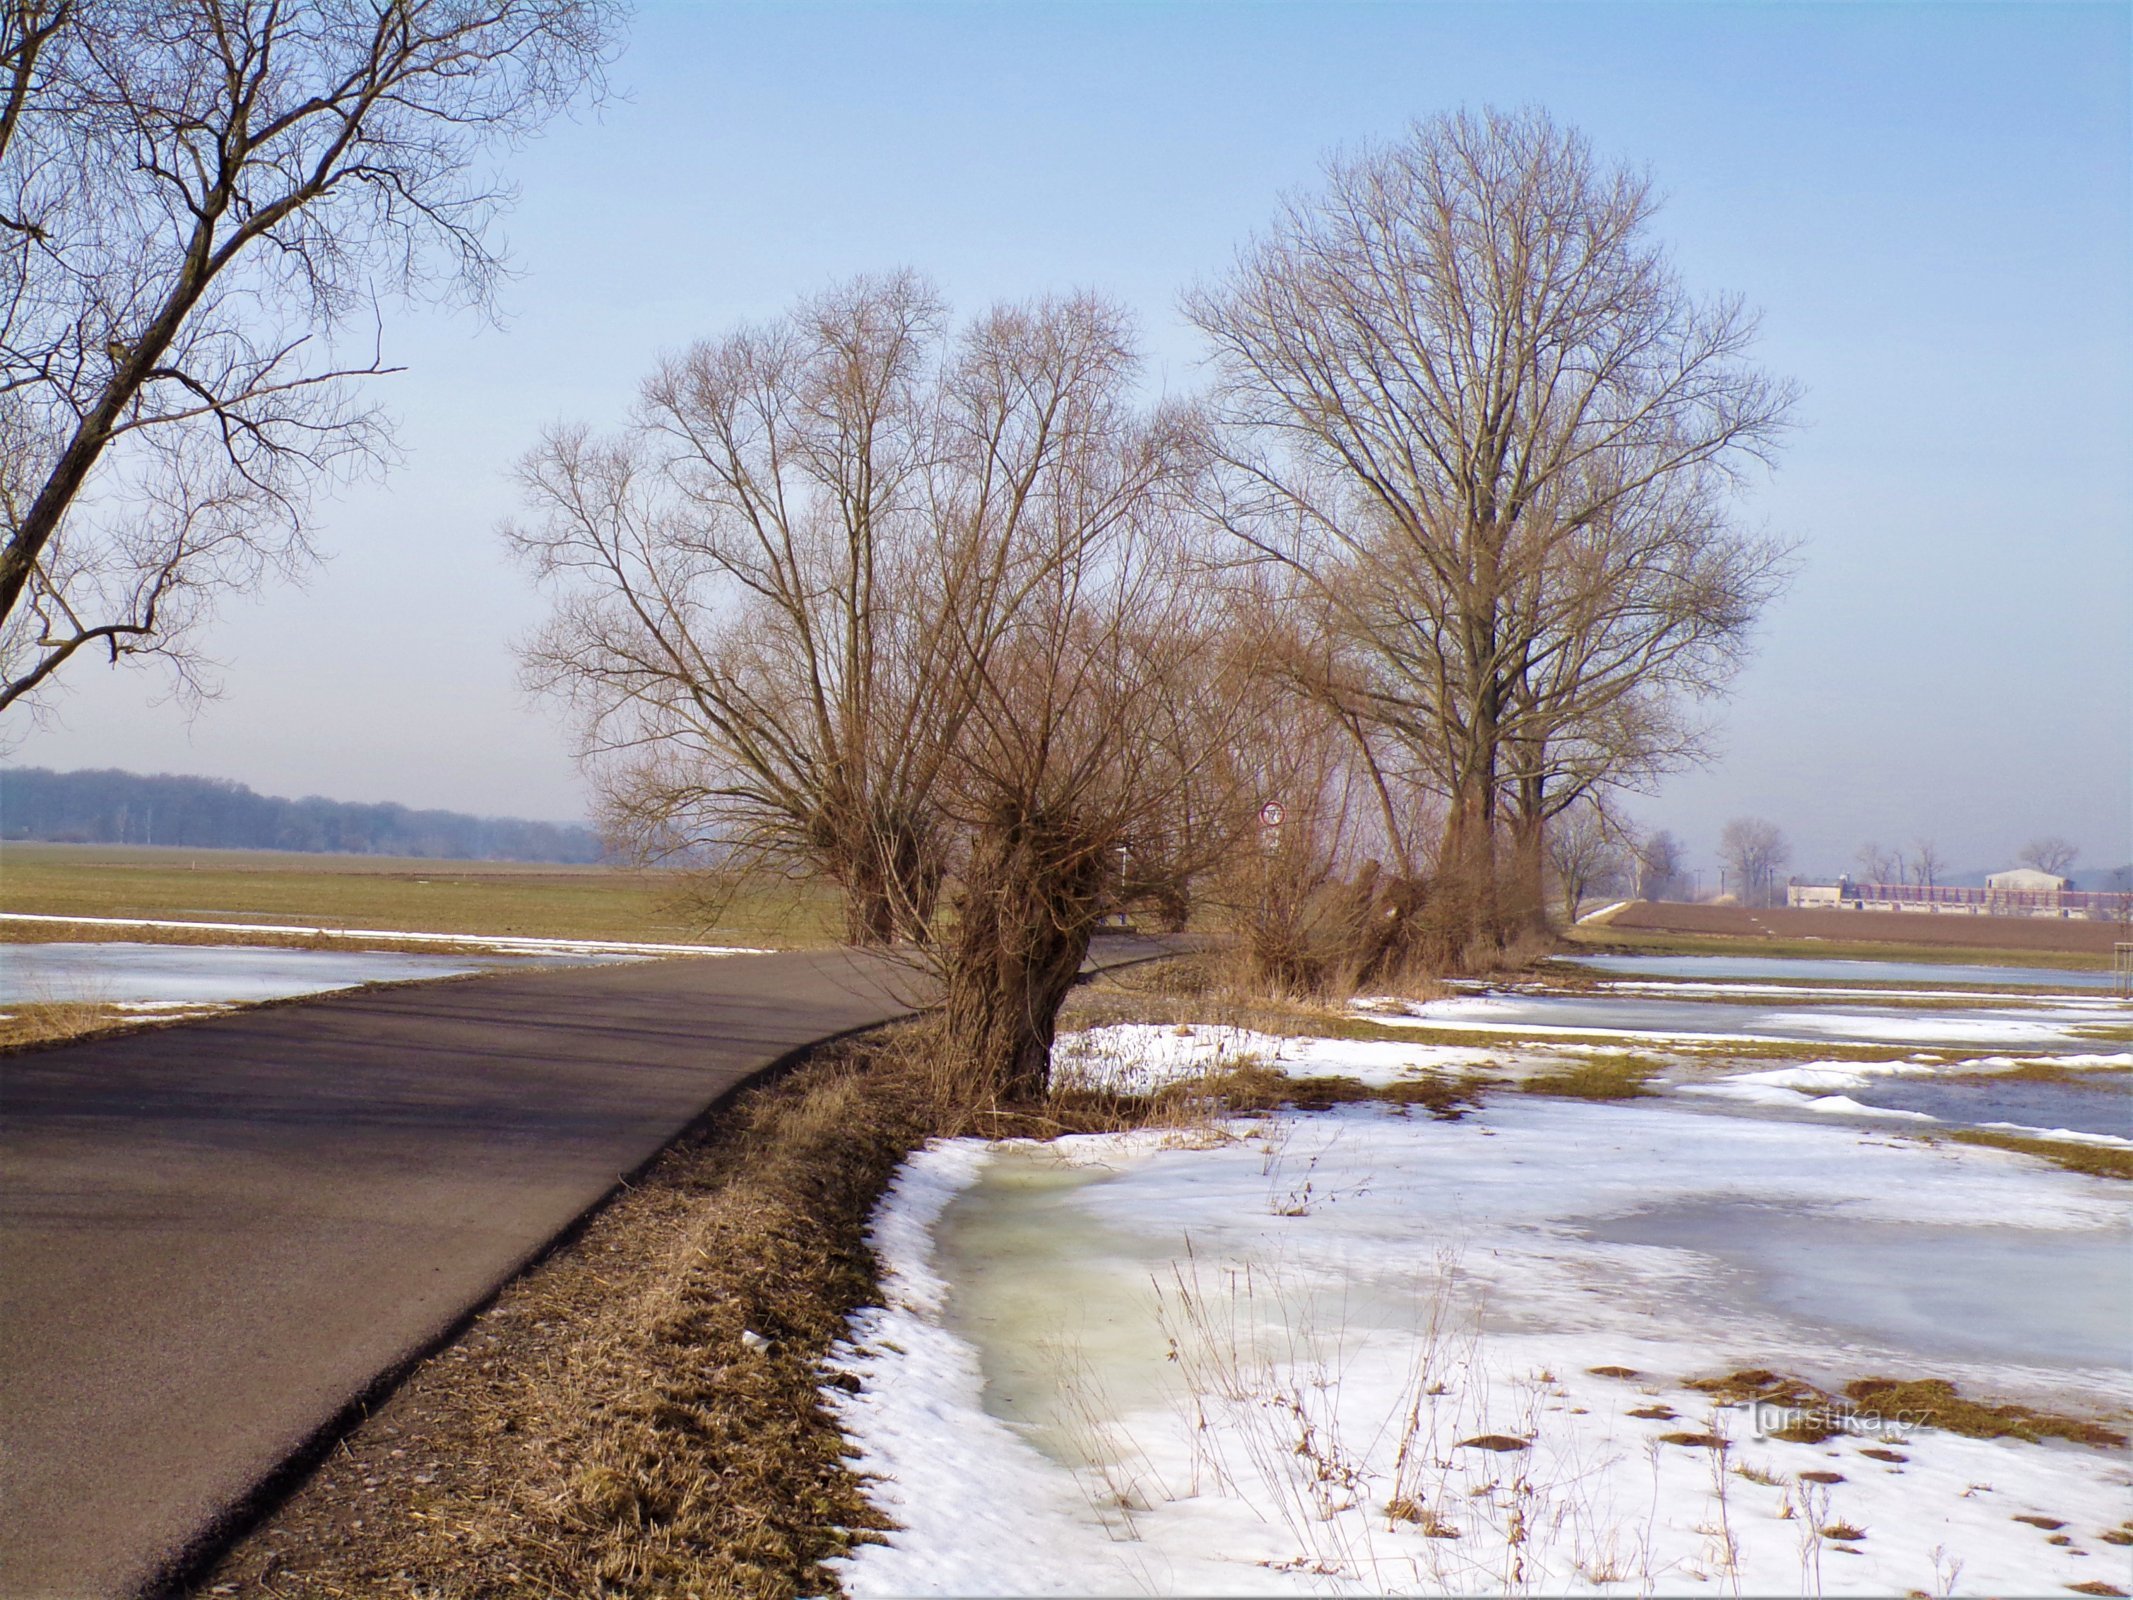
{"points": [[214, 1237]]}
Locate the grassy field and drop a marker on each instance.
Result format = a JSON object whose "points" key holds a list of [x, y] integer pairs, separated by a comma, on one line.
{"points": [[470, 897]]}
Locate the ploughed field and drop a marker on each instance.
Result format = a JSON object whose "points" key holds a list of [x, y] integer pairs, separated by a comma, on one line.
{"points": [[1929, 930]]}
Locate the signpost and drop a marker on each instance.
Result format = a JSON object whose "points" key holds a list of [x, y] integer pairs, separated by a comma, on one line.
{"points": [[1271, 816]]}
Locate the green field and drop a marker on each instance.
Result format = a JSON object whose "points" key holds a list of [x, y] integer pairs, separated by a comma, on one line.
{"points": [[470, 897]]}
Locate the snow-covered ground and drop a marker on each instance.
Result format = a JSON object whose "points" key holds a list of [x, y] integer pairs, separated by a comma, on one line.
{"points": [[2053, 1025], [1352, 1351], [1795, 969]]}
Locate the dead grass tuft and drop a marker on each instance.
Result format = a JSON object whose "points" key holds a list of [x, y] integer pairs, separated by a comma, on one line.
{"points": [[1934, 1403], [1756, 1383], [1426, 1521]]}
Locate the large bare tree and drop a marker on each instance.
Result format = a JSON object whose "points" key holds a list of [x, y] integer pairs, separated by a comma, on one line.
{"points": [[1087, 744], [1462, 393], [203, 204], [747, 623]]}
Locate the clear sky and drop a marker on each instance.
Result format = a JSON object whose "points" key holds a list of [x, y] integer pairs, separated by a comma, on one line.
{"points": [[1929, 202]]}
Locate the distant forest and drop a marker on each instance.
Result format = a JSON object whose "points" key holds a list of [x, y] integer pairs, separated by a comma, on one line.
{"points": [[112, 807]]}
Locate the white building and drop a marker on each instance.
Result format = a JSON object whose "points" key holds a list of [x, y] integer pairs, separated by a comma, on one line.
{"points": [[2027, 880]]}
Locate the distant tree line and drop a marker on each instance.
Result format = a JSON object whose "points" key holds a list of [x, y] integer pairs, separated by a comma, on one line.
{"points": [[113, 807]]}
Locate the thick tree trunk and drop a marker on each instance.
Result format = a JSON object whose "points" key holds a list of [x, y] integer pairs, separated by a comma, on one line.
{"points": [[1463, 912], [1028, 910], [869, 916], [1522, 897]]}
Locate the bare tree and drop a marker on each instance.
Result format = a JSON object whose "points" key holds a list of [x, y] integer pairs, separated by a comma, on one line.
{"points": [[1926, 864], [1332, 897], [1877, 865], [748, 601], [1660, 866], [1754, 853], [1080, 638], [1464, 396], [2050, 854], [1588, 853], [203, 204]]}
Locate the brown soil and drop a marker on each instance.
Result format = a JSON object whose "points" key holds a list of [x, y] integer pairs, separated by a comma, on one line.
{"points": [[1953, 930]]}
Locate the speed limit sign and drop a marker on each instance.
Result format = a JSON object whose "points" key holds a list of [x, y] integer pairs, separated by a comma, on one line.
{"points": [[1271, 814]]}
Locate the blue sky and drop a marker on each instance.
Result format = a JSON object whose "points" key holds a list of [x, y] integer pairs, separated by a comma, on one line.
{"points": [[1929, 203]]}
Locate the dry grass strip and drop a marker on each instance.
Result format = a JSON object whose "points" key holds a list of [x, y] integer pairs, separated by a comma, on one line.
{"points": [[605, 1427]]}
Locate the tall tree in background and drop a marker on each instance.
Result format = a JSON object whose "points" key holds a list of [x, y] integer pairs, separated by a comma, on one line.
{"points": [[1927, 865], [1661, 867], [1754, 853], [1588, 853], [2050, 854], [1464, 396], [203, 204], [1877, 865]]}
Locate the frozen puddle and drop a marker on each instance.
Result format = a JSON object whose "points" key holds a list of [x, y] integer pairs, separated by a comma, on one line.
{"points": [[2017, 1297], [2032, 1026], [1211, 1367], [164, 974], [1785, 968]]}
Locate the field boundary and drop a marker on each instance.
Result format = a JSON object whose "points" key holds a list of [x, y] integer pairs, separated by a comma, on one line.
{"points": [[502, 943]]}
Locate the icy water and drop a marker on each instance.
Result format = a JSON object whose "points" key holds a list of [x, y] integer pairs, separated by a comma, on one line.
{"points": [[149, 974], [2047, 1026], [2102, 1102], [1773, 969], [2023, 1296], [1044, 1335]]}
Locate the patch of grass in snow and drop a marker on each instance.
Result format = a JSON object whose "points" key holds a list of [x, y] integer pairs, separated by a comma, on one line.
{"points": [[1902, 1402], [1616, 1075], [1934, 1403], [2045, 1072], [2095, 1160]]}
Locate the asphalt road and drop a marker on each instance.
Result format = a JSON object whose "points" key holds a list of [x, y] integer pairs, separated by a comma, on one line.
{"points": [[216, 1237]]}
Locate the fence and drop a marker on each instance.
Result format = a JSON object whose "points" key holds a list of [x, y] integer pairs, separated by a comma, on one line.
{"points": [[2096, 905]]}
